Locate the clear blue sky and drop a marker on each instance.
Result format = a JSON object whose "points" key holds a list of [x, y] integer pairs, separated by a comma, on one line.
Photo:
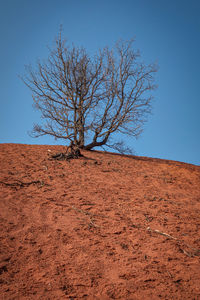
{"points": [[166, 32]]}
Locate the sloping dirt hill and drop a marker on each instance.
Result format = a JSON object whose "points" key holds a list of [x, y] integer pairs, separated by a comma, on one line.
{"points": [[103, 226]]}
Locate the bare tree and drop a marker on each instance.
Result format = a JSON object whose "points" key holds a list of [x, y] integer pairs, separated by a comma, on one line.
{"points": [[85, 100]]}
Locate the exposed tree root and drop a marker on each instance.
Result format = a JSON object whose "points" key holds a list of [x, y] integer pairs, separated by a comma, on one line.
{"points": [[21, 183], [72, 152]]}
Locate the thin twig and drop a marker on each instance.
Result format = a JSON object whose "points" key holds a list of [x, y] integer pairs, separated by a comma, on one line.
{"points": [[87, 214]]}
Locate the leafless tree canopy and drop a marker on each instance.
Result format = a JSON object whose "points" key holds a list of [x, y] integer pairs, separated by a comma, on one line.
{"points": [[87, 99]]}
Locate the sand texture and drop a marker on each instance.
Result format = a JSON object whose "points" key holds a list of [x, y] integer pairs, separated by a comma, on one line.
{"points": [[103, 226]]}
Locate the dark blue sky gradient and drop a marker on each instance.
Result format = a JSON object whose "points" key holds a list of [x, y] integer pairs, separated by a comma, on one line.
{"points": [[166, 32]]}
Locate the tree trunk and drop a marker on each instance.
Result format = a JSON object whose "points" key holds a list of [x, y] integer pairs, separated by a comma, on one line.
{"points": [[81, 138], [81, 125]]}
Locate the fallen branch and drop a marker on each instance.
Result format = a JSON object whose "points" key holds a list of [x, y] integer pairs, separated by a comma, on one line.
{"points": [[193, 252], [161, 233]]}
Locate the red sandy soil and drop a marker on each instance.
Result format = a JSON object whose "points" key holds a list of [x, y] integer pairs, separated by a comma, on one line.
{"points": [[104, 226]]}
